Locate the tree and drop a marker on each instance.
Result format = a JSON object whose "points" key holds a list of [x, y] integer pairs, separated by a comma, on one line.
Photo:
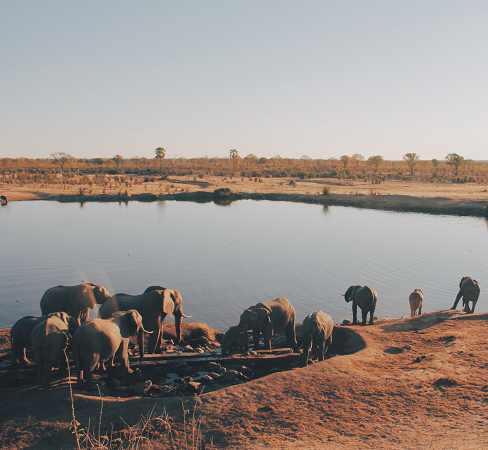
{"points": [[375, 161], [5, 164], [234, 154], [160, 153], [118, 160], [435, 163], [345, 160], [411, 159], [62, 159], [357, 158], [453, 159]]}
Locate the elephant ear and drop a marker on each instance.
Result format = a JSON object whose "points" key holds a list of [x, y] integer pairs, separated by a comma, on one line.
{"points": [[101, 294], [168, 302], [263, 317], [463, 279], [86, 296], [135, 321], [178, 301]]}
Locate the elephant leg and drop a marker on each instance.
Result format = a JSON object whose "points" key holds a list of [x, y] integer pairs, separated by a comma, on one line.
{"points": [[88, 366], [124, 355], [39, 360], [354, 312], [46, 384], [322, 350], [474, 304], [364, 316], [327, 344], [255, 337], [153, 340], [419, 313], [267, 333], [307, 344], [371, 316]]}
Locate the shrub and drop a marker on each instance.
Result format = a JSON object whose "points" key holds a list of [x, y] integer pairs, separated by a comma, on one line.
{"points": [[222, 193], [326, 190]]}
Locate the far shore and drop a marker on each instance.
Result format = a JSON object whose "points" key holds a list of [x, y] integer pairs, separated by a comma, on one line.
{"points": [[467, 199]]}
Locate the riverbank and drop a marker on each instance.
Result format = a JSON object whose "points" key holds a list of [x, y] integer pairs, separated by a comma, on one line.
{"points": [[466, 199], [412, 383]]}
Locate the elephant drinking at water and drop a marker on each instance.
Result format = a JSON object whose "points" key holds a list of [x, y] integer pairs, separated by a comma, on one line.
{"points": [[266, 318], [416, 299], [153, 305], [364, 297], [469, 290], [75, 300]]}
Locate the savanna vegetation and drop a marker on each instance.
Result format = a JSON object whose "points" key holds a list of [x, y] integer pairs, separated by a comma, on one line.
{"points": [[62, 168]]}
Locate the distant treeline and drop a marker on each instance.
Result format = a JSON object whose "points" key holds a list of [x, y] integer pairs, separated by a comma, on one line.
{"points": [[453, 168]]}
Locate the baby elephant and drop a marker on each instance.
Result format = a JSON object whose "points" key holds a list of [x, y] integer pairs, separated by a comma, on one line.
{"points": [[364, 297], [99, 340], [416, 299], [317, 335], [20, 334], [49, 340], [234, 341]]}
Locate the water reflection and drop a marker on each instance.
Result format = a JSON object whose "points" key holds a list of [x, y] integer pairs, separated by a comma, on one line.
{"points": [[223, 260]]}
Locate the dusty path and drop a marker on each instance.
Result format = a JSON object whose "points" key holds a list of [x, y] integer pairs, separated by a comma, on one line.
{"points": [[417, 383]]}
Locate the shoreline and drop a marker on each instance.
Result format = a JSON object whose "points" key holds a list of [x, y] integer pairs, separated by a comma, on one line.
{"points": [[388, 202]]}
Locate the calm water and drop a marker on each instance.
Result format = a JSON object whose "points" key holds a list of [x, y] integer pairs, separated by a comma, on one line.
{"points": [[224, 259]]}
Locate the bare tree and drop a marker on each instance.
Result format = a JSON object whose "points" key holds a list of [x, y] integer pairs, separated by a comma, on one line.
{"points": [[412, 160], [61, 158]]}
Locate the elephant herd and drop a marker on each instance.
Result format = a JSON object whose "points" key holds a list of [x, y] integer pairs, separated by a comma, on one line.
{"points": [[95, 342]]}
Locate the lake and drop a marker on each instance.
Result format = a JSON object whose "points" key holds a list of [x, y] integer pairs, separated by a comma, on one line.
{"points": [[225, 258]]}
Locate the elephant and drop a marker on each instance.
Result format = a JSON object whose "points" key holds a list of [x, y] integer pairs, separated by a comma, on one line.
{"points": [[416, 299], [364, 297], [75, 300], [49, 340], [266, 318], [469, 290], [98, 340], [233, 341], [317, 335], [20, 334], [153, 305]]}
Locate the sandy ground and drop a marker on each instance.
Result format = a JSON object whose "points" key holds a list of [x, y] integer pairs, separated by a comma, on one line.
{"points": [[417, 383], [466, 191]]}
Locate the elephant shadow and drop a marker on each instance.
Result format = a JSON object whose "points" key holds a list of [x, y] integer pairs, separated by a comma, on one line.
{"points": [[345, 341]]}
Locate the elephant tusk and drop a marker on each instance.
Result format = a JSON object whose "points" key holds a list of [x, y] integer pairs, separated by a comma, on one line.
{"points": [[186, 317]]}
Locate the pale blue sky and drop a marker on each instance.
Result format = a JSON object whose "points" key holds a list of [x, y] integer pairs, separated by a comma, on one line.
{"points": [[268, 77]]}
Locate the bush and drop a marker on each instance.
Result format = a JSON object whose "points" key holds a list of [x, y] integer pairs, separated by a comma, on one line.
{"points": [[327, 190], [222, 193]]}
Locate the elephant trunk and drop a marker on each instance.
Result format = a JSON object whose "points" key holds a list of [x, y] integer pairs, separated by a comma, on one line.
{"points": [[178, 327]]}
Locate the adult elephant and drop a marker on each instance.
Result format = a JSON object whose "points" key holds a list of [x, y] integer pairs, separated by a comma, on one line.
{"points": [[416, 299], [233, 341], [469, 290], [153, 305], [74, 300], [266, 318], [20, 334], [317, 335], [364, 297], [99, 340], [49, 340]]}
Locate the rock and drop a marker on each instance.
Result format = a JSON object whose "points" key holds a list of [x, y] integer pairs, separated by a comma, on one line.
{"points": [[207, 379], [214, 375], [188, 349], [142, 387], [213, 367], [193, 386]]}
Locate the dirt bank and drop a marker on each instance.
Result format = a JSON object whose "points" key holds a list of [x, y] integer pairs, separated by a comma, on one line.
{"points": [[412, 383], [447, 198]]}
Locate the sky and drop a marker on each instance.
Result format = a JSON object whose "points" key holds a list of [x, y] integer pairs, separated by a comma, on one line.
{"points": [[319, 78]]}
